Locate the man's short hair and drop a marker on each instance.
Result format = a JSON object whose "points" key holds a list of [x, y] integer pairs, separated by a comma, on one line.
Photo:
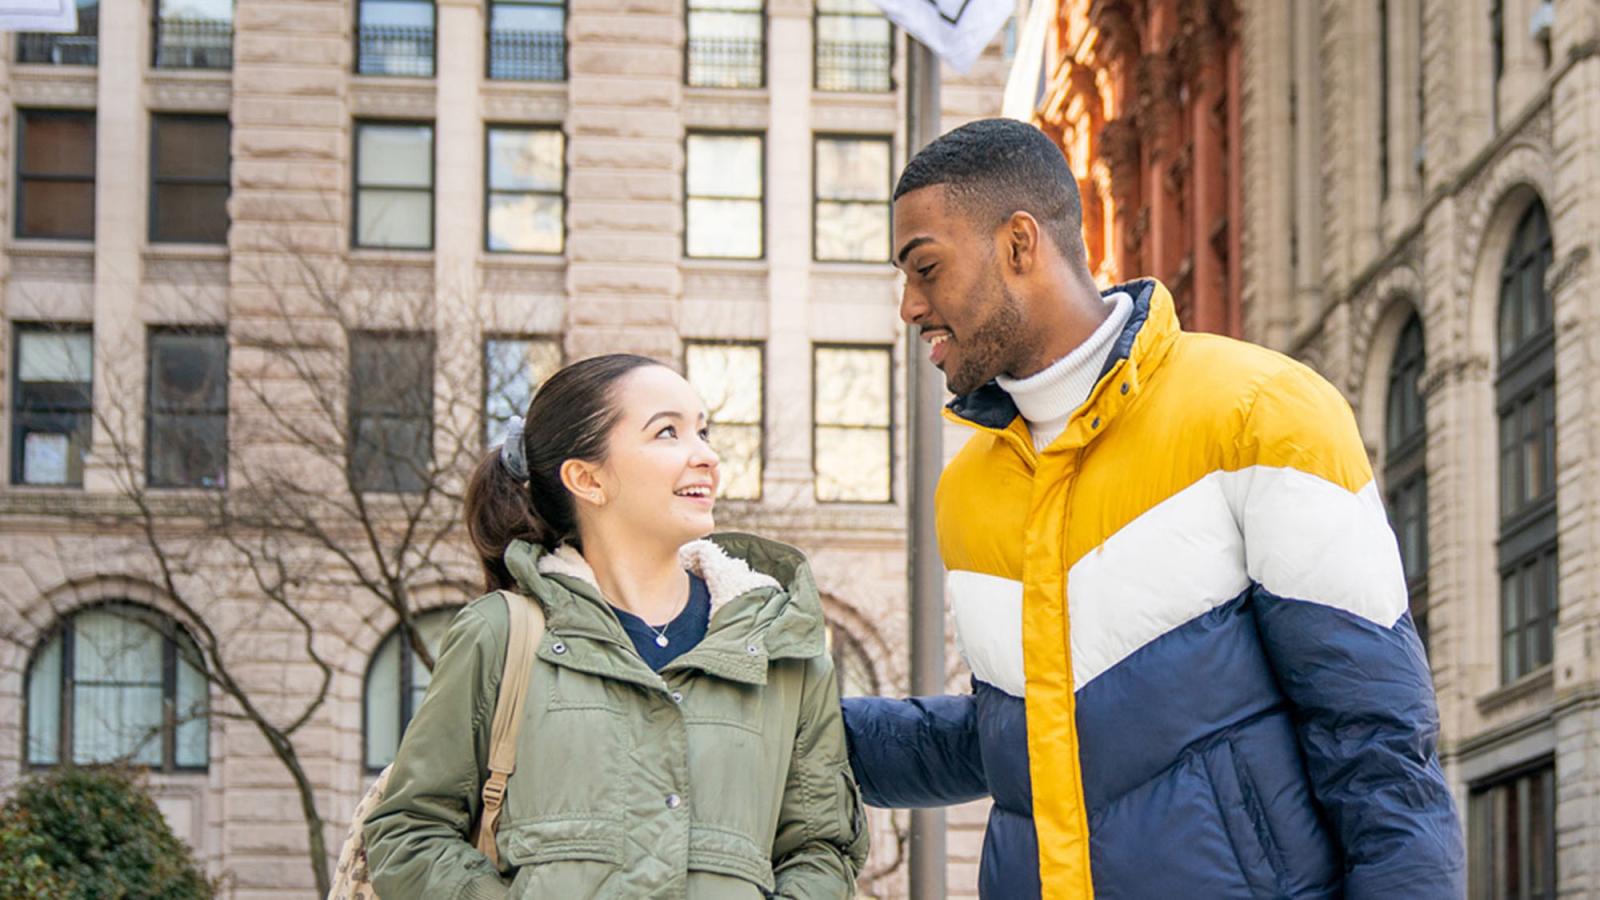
{"points": [[992, 168]]}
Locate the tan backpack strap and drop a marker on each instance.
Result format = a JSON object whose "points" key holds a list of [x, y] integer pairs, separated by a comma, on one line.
{"points": [[526, 630]]}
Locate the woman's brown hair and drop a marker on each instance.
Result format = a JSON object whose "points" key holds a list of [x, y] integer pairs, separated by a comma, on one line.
{"points": [[569, 417]]}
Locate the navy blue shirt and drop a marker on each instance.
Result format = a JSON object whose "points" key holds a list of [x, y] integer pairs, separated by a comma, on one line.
{"points": [[682, 633]]}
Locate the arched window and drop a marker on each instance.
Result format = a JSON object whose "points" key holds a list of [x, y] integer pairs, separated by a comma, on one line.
{"points": [[396, 681], [851, 664], [1405, 472], [1525, 394], [118, 683]]}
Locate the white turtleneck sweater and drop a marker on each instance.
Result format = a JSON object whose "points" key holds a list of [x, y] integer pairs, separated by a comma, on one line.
{"points": [[1049, 398]]}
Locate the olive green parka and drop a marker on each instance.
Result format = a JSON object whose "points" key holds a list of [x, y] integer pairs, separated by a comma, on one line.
{"points": [[723, 776]]}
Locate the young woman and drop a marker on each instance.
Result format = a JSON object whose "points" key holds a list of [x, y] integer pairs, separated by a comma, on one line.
{"points": [[682, 734]]}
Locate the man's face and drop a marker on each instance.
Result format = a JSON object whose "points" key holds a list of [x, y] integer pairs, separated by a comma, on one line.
{"points": [[955, 293]]}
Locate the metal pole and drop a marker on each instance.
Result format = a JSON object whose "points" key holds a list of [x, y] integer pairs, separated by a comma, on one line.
{"points": [[924, 399]]}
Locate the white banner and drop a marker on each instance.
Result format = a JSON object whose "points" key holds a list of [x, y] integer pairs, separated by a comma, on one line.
{"points": [[955, 30], [39, 15], [1025, 86]]}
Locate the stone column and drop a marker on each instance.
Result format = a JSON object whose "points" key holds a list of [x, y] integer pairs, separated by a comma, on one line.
{"points": [[458, 139], [625, 152], [788, 187], [122, 177]]}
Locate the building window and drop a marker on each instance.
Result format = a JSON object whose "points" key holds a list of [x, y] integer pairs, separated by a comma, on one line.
{"points": [[394, 37], [513, 368], [727, 42], [1406, 474], [396, 681], [851, 207], [528, 40], [55, 174], [851, 664], [391, 412], [526, 208], [729, 378], [1511, 825], [851, 448], [51, 404], [194, 34], [1525, 392], [189, 179], [394, 185], [117, 683], [724, 197], [80, 48], [188, 411], [854, 49], [1497, 58]]}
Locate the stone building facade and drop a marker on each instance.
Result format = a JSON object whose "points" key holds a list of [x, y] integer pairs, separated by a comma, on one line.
{"points": [[225, 219], [1420, 194]]}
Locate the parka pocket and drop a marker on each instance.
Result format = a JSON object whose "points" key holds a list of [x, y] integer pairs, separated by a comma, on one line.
{"points": [[852, 815], [1245, 820], [537, 841], [726, 852]]}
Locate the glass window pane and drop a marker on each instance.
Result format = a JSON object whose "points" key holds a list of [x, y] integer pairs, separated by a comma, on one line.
{"points": [[190, 707], [392, 374], [391, 454], [728, 379], [526, 223], [852, 386], [852, 231], [194, 213], [397, 12], [527, 17], [513, 370], [188, 450], [724, 166], [399, 219], [525, 159], [724, 228], [852, 169], [117, 709], [852, 464], [191, 147], [58, 143], [56, 209], [188, 372], [859, 7], [49, 459], [44, 705], [739, 451], [219, 10], [55, 356], [395, 155], [383, 704]]}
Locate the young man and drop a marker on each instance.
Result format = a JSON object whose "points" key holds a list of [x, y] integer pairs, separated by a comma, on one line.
{"points": [[1170, 571]]}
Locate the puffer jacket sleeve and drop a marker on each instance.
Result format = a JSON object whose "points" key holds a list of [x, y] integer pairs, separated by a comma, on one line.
{"points": [[821, 842], [1329, 601], [919, 752], [418, 838]]}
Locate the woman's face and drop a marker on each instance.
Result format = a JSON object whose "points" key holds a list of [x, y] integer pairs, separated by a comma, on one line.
{"points": [[660, 475]]}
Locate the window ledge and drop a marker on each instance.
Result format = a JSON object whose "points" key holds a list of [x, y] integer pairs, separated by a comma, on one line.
{"points": [[393, 256], [1539, 681], [510, 260], [715, 264], [185, 251], [23, 246]]}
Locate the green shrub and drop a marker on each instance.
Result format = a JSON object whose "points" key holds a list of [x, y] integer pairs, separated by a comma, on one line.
{"points": [[99, 835], [24, 875]]}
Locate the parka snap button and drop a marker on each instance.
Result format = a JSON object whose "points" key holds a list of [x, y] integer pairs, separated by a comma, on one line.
{"points": [[1124, 387], [1095, 423], [558, 647], [752, 649], [674, 801], [677, 696]]}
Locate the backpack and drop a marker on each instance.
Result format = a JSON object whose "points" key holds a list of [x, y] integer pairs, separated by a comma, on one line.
{"points": [[353, 880]]}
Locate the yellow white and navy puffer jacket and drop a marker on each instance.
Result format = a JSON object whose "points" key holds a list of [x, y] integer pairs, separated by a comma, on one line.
{"points": [[1194, 670]]}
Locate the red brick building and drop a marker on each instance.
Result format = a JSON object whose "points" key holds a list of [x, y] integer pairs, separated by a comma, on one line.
{"points": [[1143, 97]]}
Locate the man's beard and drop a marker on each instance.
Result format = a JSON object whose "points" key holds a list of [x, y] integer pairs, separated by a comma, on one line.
{"points": [[988, 349]]}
